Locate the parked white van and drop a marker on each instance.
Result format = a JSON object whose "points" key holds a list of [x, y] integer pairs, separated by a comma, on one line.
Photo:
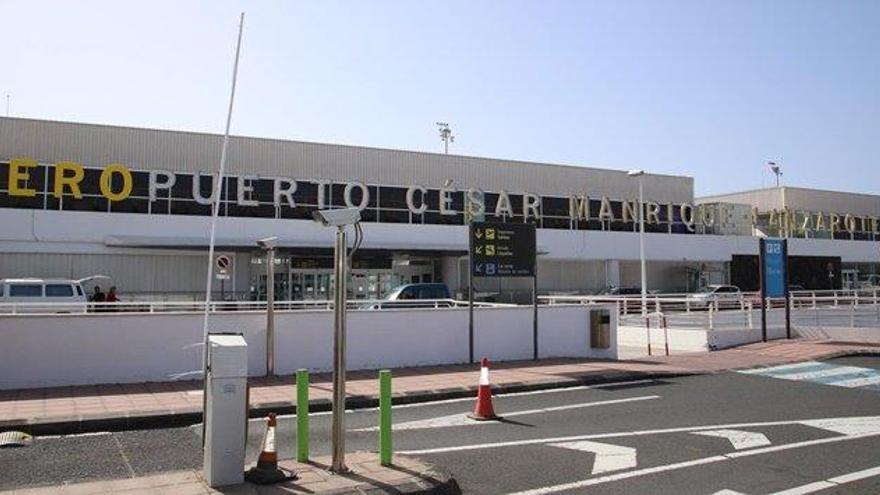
{"points": [[42, 295]]}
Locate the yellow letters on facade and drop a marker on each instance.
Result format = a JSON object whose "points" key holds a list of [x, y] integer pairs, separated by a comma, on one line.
{"points": [[71, 181], [18, 173], [106, 183]]}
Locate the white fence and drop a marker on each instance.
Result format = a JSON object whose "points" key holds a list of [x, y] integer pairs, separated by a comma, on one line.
{"points": [[75, 349], [216, 306], [686, 325]]}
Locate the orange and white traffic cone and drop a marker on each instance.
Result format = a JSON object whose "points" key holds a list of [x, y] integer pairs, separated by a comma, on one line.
{"points": [[484, 411], [267, 471]]}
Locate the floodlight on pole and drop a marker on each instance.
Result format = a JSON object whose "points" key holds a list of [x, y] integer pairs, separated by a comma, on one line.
{"points": [[340, 218], [445, 135], [776, 169], [640, 174], [269, 244]]}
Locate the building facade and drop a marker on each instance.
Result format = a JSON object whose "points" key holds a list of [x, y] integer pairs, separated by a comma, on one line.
{"points": [[134, 204]]}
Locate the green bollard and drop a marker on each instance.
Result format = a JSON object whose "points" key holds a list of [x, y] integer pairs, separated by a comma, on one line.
{"points": [[302, 415], [385, 417]]}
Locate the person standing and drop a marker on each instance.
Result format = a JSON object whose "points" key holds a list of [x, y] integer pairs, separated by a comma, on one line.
{"points": [[111, 296], [98, 296]]}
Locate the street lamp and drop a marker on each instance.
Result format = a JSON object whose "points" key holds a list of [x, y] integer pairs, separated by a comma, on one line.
{"points": [[340, 218], [640, 174], [269, 244]]}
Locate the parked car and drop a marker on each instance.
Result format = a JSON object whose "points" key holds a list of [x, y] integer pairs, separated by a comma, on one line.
{"points": [[415, 296], [720, 296], [869, 282], [42, 295], [622, 291]]}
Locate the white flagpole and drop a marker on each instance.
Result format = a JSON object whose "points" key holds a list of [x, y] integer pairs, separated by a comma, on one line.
{"points": [[218, 189]]}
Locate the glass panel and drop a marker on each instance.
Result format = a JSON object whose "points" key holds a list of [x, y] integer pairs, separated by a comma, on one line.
{"points": [[30, 290], [59, 290]]}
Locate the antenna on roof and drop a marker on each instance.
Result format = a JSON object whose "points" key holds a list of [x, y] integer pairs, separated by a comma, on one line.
{"points": [[445, 136], [776, 169]]}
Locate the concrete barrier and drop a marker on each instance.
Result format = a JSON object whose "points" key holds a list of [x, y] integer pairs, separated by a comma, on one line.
{"points": [[57, 350]]}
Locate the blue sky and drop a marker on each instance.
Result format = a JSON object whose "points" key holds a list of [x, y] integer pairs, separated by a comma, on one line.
{"points": [[703, 88]]}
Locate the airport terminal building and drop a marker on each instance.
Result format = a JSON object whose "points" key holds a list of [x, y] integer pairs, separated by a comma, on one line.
{"points": [[134, 204]]}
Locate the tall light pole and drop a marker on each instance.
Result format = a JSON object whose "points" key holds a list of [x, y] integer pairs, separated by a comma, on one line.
{"points": [[269, 245], [776, 169], [640, 174], [340, 218], [445, 136]]}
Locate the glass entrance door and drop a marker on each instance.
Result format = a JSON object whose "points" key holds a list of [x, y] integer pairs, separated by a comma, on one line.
{"points": [[310, 284]]}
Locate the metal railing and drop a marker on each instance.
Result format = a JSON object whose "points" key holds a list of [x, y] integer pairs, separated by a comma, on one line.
{"points": [[17, 308], [828, 308]]}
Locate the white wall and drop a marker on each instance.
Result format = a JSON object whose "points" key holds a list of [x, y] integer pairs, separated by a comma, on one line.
{"points": [[41, 351], [691, 339]]}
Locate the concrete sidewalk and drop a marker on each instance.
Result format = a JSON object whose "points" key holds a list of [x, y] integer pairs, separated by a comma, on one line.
{"points": [[407, 475], [151, 405]]}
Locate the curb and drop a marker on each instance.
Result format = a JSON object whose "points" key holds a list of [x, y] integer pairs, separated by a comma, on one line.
{"points": [[147, 421]]}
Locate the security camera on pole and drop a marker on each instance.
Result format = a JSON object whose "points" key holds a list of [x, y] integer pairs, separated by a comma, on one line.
{"points": [[340, 218]]}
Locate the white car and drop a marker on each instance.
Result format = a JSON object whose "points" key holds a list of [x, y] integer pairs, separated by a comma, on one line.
{"points": [[42, 295], [720, 296]]}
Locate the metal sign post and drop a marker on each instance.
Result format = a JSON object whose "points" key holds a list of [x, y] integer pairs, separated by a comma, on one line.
{"points": [[471, 301], [270, 311], [535, 312], [787, 295], [502, 250]]}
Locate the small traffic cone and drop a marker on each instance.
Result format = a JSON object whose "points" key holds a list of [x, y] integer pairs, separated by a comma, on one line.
{"points": [[267, 471], [484, 410]]}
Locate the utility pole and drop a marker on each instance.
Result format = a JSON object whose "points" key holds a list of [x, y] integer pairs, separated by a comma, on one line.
{"points": [[7, 104], [445, 136]]}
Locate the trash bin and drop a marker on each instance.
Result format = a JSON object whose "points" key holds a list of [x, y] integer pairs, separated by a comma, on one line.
{"points": [[600, 329]]}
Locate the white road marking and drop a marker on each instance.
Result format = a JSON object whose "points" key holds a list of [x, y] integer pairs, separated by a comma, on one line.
{"points": [[728, 492], [847, 426], [824, 373], [738, 438], [858, 382], [862, 424], [681, 465], [832, 482], [608, 457], [471, 399], [819, 374], [74, 435], [784, 367], [461, 419]]}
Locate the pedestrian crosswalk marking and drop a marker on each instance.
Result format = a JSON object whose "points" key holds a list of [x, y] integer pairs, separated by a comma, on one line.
{"points": [[824, 373]]}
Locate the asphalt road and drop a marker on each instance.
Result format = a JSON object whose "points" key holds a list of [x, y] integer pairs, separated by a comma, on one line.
{"points": [[659, 437]]}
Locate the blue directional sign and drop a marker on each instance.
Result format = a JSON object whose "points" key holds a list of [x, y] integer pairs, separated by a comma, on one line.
{"points": [[502, 249], [773, 259]]}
